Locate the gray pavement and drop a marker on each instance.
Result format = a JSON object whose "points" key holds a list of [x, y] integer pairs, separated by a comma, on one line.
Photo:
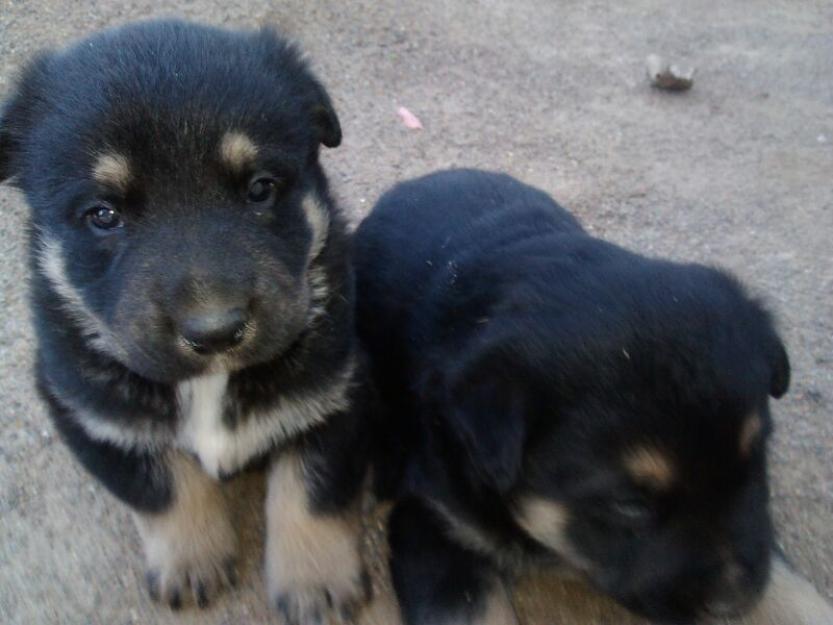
{"points": [[737, 172]]}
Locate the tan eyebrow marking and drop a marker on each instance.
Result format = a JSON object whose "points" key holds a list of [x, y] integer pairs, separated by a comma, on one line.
{"points": [[750, 432], [237, 150], [651, 466], [112, 169]]}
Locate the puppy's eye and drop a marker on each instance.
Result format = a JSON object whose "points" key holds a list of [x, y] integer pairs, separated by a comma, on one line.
{"points": [[633, 512], [104, 217], [262, 190]]}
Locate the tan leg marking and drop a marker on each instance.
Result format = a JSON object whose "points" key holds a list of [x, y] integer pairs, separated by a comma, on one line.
{"points": [[313, 563], [789, 600], [191, 547]]}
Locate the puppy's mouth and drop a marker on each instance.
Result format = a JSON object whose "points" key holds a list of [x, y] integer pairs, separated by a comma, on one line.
{"points": [[231, 353], [247, 355]]}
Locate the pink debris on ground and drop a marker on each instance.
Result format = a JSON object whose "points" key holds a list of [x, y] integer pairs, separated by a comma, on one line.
{"points": [[409, 119]]}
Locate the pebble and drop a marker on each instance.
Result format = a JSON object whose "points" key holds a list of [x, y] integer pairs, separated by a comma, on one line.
{"points": [[664, 75]]}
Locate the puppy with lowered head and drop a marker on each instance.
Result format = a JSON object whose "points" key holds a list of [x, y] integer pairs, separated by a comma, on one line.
{"points": [[193, 297], [555, 399]]}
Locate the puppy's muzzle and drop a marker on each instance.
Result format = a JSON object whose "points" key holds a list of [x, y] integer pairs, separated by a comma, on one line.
{"points": [[733, 595]]}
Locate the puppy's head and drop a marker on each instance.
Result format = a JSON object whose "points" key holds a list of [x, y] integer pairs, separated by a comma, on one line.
{"points": [[629, 435], [178, 206]]}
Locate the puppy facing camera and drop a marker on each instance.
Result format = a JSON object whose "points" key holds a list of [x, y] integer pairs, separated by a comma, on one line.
{"points": [[193, 297]]}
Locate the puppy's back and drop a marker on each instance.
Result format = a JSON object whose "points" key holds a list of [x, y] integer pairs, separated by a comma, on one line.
{"points": [[424, 231], [449, 213]]}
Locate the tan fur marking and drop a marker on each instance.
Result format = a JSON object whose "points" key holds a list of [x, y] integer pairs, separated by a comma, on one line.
{"points": [[192, 543], [750, 431], [789, 600], [498, 609], [308, 556], [237, 150], [477, 539], [546, 521], [319, 221], [96, 333], [650, 466], [113, 170]]}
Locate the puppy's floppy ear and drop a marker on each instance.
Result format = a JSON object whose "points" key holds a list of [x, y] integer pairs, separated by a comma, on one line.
{"points": [[779, 382], [17, 115], [284, 56], [325, 118], [487, 410]]}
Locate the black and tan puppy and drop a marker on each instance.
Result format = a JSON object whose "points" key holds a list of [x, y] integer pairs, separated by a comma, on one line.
{"points": [[556, 399], [193, 297]]}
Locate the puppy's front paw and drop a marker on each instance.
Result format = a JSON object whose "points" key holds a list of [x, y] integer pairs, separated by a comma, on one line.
{"points": [[314, 570], [191, 547], [177, 582], [314, 603]]}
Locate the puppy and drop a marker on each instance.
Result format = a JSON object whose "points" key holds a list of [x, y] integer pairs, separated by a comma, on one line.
{"points": [[193, 297], [554, 399]]}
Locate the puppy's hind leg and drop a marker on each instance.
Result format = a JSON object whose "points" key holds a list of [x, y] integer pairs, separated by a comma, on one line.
{"points": [[190, 546], [439, 582]]}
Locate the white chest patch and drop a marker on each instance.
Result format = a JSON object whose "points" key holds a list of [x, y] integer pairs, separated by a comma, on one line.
{"points": [[202, 431], [222, 449]]}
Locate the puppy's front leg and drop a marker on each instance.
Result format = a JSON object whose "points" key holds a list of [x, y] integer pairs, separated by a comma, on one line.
{"points": [[313, 535], [437, 581], [190, 546], [189, 543]]}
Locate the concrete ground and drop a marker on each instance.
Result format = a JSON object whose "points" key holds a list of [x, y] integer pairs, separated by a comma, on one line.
{"points": [[736, 172]]}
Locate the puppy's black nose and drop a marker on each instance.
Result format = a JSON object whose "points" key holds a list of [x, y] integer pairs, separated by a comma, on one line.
{"points": [[214, 331]]}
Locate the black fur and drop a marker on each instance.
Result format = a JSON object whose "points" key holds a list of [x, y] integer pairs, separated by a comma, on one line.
{"points": [[139, 478], [436, 580], [520, 357], [112, 349]]}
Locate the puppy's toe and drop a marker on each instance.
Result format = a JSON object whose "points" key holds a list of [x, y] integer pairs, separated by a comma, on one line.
{"points": [[194, 583], [317, 604], [301, 606]]}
